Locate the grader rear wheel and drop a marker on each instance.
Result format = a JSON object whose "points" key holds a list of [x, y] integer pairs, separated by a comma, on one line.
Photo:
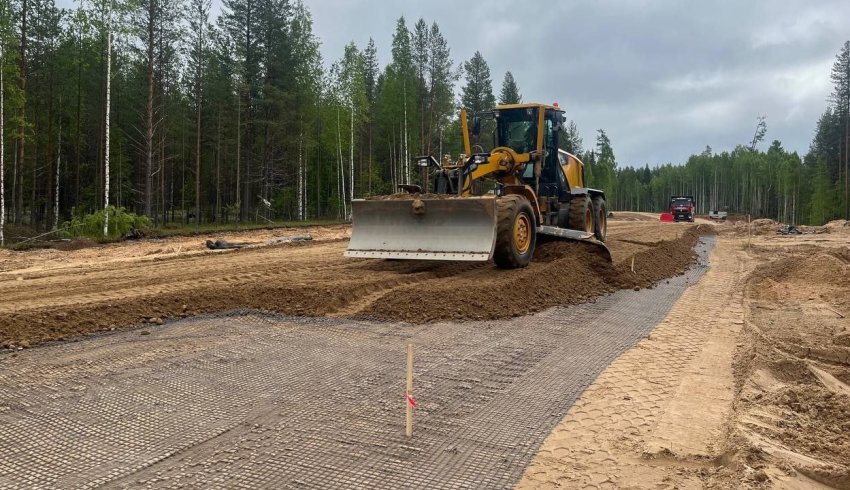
{"points": [[581, 214], [601, 212], [516, 232]]}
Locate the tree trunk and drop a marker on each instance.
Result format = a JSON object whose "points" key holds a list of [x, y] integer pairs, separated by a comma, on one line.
{"points": [[351, 158], [58, 166], [198, 129], [406, 157], [22, 115], [77, 129], [217, 210], [106, 151], [238, 156], [2, 155], [300, 193], [149, 112]]}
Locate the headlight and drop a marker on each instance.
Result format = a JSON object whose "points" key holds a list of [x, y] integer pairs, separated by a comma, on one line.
{"points": [[479, 159]]}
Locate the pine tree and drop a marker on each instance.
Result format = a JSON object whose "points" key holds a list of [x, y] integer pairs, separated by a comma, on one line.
{"points": [[150, 11], [240, 20], [606, 166], [841, 99], [370, 71], [442, 79], [199, 24], [570, 140], [510, 92], [402, 71], [307, 65], [477, 95], [22, 116]]}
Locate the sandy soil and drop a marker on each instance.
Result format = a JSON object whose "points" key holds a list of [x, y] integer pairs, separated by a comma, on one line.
{"points": [[793, 377], [55, 295], [746, 384]]}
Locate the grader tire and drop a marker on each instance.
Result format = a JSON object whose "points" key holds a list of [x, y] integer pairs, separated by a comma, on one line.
{"points": [[581, 214], [600, 212], [516, 233]]}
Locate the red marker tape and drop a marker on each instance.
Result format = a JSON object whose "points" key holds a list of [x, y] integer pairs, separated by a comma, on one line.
{"points": [[410, 399]]}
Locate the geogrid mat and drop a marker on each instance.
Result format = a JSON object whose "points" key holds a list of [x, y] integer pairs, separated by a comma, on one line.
{"points": [[248, 399]]}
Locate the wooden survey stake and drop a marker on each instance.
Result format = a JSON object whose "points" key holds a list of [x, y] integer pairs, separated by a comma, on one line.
{"points": [[408, 403]]}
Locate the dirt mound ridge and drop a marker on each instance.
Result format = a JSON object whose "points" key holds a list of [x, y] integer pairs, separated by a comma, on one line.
{"points": [[838, 225], [816, 265], [794, 399], [561, 273]]}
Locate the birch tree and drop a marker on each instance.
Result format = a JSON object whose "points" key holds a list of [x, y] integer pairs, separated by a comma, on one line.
{"points": [[107, 138], [2, 147], [353, 91], [58, 173]]}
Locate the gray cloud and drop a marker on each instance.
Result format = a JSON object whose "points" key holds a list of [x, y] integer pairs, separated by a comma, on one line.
{"points": [[663, 78]]}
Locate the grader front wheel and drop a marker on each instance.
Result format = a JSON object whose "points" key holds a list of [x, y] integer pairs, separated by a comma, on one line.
{"points": [[516, 232]]}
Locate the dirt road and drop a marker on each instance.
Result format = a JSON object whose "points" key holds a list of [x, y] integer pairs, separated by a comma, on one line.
{"points": [[53, 295], [745, 384]]}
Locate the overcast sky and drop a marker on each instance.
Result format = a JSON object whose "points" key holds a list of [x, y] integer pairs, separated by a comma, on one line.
{"points": [[663, 78]]}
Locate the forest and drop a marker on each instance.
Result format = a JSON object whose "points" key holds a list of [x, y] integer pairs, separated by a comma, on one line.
{"points": [[157, 108]]}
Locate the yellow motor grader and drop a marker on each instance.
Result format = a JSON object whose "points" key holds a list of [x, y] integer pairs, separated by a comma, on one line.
{"points": [[511, 184]]}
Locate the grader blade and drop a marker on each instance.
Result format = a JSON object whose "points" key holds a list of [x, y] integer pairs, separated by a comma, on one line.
{"points": [[424, 229], [580, 236]]}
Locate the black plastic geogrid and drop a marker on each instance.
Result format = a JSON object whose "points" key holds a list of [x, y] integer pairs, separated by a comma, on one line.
{"points": [[250, 400]]}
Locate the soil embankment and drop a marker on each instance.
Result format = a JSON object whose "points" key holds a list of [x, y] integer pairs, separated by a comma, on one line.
{"points": [[793, 373]]}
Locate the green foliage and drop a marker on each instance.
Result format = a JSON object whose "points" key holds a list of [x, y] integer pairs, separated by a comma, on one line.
{"points": [[121, 224], [570, 140], [276, 124], [510, 92], [477, 94]]}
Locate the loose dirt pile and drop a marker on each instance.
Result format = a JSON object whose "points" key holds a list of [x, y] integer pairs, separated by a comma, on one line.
{"points": [[561, 273], [839, 225], [793, 376], [766, 227]]}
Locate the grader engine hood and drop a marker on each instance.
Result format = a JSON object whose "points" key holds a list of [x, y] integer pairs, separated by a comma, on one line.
{"points": [[447, 228]]}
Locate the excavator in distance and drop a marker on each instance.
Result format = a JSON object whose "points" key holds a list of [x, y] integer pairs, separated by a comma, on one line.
{"points": [[512, 184]]}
